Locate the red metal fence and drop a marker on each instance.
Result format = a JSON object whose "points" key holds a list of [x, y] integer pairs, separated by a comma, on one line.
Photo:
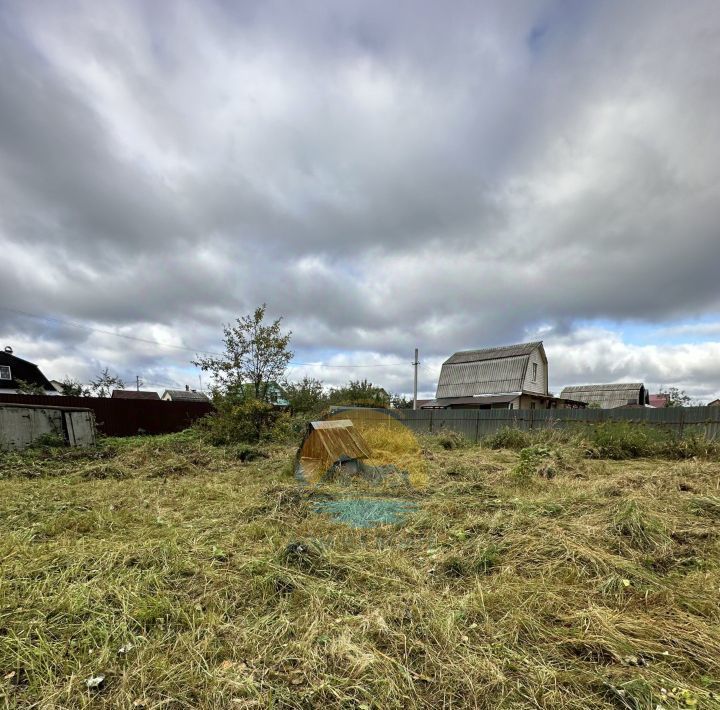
{"points": [[125, 417]]}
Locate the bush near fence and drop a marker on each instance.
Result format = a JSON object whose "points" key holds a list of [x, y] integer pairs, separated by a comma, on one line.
{"points": [[477, 424], [126, 417]]}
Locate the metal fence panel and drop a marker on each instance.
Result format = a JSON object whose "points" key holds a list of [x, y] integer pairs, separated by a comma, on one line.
{"points": [[475, 424]]}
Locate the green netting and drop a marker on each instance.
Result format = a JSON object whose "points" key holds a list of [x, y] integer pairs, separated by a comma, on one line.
{"points": [[366, 512]]}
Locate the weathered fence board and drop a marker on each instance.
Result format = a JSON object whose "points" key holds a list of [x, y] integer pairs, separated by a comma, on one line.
{"points": [[475, 424]]}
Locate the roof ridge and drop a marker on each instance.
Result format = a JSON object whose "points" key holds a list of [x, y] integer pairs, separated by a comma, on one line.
{"points": [[606, 384], [534, 343]]}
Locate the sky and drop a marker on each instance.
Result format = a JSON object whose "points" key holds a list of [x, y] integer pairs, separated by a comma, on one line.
{"points": [[384, 176]]}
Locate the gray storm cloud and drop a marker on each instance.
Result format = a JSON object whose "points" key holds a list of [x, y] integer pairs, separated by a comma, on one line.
{"points": [[383, 175]]}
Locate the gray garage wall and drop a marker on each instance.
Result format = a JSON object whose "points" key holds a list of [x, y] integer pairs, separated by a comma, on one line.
{"points": [[21, 425]]}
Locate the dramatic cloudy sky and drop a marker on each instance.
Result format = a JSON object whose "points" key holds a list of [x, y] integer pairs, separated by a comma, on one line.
{"points": [[383, 175]]}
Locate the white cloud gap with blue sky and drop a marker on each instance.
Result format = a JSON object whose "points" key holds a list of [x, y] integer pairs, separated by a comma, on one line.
{"points": [[385, 176]]}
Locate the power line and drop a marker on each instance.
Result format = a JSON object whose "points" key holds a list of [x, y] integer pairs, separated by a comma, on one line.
{"points": [[73, 324]]}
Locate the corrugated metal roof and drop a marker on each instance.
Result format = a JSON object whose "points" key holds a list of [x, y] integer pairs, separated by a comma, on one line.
{"points": [[608, 396], [483, 377], [504, 351], [134, 394], [618, 386], [186, 396], [659, 400]]}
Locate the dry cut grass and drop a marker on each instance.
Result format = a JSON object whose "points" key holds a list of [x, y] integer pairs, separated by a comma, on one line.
{"points": [[191, 577]]}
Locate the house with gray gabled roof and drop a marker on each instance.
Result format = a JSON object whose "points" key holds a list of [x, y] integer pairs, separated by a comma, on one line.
{"points": [[186, 395], [610, 396], [507, 377]]}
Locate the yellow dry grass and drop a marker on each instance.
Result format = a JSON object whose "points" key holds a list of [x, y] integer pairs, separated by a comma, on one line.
{"points": [[192, 579], [391, 443]]}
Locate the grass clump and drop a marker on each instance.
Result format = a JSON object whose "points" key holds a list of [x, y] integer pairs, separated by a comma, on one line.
{"points": [[707, 506], [508, 438], [450, 440], [640, 529]]}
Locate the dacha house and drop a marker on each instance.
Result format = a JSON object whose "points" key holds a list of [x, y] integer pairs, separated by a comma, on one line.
{"points": [[16, 373], [506, 377]]}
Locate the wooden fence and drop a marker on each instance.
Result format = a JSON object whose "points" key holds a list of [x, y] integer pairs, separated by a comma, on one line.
{"points": [[125, 417], [476, 424]]}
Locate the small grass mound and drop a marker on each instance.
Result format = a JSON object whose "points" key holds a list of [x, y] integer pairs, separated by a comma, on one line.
{"points": [[640, 529]]}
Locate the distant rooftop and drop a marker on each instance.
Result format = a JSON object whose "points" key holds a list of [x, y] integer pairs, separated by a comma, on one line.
{"points": [[185, 396], [134, 394]]}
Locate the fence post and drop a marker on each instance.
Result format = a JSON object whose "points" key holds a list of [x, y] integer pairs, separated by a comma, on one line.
{"points": [[477, 426], [431, 421], [682, 421]]}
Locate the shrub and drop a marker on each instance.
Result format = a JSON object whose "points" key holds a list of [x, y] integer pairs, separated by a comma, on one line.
{"points": [[236, 422], [621, 440], [534, 460], [508, 438]]}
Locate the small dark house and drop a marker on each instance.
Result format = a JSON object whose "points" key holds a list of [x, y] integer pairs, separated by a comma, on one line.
{"points": [[14, 370]]}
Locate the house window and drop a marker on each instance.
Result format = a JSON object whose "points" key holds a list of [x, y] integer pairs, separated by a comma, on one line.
{"points": [[5, 373], [534, 374]]}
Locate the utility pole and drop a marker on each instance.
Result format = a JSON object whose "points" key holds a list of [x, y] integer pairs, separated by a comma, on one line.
{"points": [[415, 365]]}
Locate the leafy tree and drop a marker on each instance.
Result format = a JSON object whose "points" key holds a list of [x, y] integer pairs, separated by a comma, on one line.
{"points": [[255, 353], [24, 387], [360, 393], [105, 383], [73, 388], [307, 395], [400, 401], [676, 397]]}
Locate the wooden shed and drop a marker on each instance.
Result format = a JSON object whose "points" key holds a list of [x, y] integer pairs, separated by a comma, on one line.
{"points": [[329, 443]]}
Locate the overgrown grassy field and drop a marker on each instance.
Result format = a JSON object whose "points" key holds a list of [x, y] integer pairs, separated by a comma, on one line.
{"points": [[191, 578]]}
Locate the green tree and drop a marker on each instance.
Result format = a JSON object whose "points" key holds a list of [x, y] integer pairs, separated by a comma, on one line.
{"points": [[676, 397], [306, 396], [73, 388], [360, 393], [24, 387], [400, 401], [105, 383], [255, 354]]}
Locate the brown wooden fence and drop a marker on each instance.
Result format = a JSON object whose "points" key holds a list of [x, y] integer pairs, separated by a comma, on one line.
{"points": [[125, 417]]}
